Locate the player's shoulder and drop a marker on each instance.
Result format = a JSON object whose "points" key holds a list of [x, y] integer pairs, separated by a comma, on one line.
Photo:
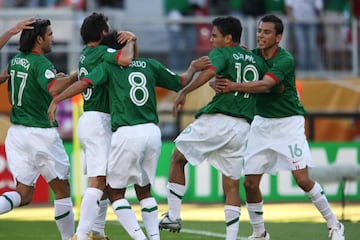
{"points": [[282, 52]]}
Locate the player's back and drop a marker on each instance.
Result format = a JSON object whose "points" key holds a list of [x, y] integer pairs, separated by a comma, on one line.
{"points": [[30, 75], [132, 91]]}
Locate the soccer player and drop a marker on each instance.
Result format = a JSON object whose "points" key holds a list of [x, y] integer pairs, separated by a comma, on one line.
{"points": [[136, 139], [33, 146], [277, 138], [219, 133], [96, 139]]}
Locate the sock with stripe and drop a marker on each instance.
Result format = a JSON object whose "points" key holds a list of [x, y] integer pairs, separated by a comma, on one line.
{"points": [[127, 219], [232, 217], [9, 201], [64, 217], [175, 194], [149, 213], [256, 217]]}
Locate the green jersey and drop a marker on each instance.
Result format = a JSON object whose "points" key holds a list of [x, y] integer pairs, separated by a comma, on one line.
{"points": [[30, 75], [95, 99], [132, 89], [237, 65], [282, 99]]}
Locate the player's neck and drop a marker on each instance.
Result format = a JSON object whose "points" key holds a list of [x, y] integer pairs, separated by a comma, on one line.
{"points": [[270, 52], [93, 44], [37, 50]]}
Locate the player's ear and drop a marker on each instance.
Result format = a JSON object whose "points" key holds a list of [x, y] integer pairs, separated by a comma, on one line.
{"points": [[39, 39]]}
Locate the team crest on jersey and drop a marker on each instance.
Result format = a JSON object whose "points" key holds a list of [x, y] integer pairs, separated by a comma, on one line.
{"points": [[49, 74], [111, 50]]}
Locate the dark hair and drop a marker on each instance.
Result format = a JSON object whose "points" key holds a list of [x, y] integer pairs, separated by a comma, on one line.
{"points": [[93, 26], [28, 36], [229, 25], [110, 40], [279, 26]]}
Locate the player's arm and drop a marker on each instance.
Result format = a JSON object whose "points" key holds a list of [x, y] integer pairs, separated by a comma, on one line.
{"points": [[4, 75], [19, 26], [127, 53], [74, 89], [197, 82], [264, 85], [61, 82], [131, 51], [195, 66]]}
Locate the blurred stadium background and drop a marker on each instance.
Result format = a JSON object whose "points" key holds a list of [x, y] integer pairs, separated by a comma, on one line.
{"points": [[329, 91]]}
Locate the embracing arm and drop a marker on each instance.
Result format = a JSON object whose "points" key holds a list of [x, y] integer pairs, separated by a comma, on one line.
{"points": [[72, 90], [129, 51], [4, 75], [127, 54], [61, 82], [225, 85], [203, 78], [195, 66]]}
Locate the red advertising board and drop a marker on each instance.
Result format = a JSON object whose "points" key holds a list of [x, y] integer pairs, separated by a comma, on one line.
{"points": [[41, 194]]}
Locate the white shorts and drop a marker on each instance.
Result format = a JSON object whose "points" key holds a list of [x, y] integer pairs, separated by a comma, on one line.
{"points": [[94, 132], [134, 155], [217, 138], [34, 151], [277, 144]]}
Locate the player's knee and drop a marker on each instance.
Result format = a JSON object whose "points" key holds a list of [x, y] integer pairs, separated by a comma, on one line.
{"points": [[178, 158], [250, 185]]}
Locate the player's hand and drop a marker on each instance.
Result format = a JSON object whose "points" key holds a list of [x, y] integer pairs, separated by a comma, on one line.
{"points": [[246, 48], [52, 112], [125, 36], [23, 24], [179, 103], [200, 63], [223, 85], [60, 75]]}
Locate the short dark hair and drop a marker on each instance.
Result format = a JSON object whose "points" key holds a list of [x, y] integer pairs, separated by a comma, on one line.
{"points": [[28, 36], [93, 26], [110, 40], [279, 26], [229, 25]]}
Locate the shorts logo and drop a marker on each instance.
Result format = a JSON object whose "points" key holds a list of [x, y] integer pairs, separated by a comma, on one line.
{"points": [[295, 161]]}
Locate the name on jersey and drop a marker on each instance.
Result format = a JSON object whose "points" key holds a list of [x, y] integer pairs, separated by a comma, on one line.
{"points": [[138, 63], [21, 61], [245, 57]]}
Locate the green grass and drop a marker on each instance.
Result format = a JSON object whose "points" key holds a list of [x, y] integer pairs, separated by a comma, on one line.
{"points": [[41, 230]]}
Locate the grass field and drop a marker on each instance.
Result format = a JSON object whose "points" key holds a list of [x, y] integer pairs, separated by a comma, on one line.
{"points": [[200, 221]]}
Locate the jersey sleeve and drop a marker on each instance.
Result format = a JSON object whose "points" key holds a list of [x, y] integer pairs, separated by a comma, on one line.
{"points": [[217, 59], [167, 78], [112, 55], [46, 73], [283, 67], [98, 75]]}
